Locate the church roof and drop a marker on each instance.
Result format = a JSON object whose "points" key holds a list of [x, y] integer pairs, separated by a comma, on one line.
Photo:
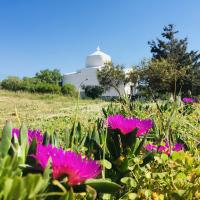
{"points": [[97, 59]]}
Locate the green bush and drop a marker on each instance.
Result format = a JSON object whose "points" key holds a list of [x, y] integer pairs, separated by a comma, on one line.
{"points": [[11, 83], [69, 90], [47, 88], [29, 85], [93, 91]]}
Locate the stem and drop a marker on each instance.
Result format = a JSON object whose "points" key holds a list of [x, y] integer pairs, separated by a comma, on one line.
{"points": [[76, 116], [104, 153]]}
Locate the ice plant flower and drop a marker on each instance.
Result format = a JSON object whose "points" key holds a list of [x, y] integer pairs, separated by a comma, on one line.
{"points": [[35, 134], [15, 132], [31, 135], [127, 125], [188, 100], [150, 147], [69, 163], [178, 147], [164, 148]]}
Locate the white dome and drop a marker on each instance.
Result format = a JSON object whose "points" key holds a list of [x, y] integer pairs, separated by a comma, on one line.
{"points": [[97, 59]]}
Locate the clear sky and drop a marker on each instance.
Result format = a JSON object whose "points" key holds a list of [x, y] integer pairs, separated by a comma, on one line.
{"points": [[39, 34]]}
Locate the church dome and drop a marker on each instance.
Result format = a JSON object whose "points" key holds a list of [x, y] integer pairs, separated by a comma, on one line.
{"points": [[97, 59]]}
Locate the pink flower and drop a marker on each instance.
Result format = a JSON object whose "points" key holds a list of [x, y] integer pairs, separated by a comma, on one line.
{"points": [[144, 126], [31, 135], [127, 125], [35, 134], [164, 148], [150, 147], [68, 163], [15, 132], [178, 147], [188, 100]]}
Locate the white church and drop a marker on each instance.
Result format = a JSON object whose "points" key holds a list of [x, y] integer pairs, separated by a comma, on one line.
{"points": [[88, 75]]}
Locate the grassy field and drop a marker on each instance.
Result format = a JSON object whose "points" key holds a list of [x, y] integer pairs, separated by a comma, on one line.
{"points": [[46, 112]]}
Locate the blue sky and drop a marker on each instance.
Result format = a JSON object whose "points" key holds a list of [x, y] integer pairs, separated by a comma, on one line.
{"points": [[39, 34]]}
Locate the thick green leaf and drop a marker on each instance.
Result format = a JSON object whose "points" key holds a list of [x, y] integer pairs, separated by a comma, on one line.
{"points": [[67, 138], [103, 185], [23, 140], [113, 144], [6, 139], [129, 181], [46, 138], [95, 136], [30, 160], [106, 164], [129, 140], [140, 146], [23, 137]]}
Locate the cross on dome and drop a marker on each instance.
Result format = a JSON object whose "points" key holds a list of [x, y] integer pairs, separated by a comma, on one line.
{"points": [[97, 59]]}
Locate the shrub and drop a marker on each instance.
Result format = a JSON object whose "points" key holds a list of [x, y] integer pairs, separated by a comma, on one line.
{"points": [[93, 91], [47, 88], [69, 90], [11, 83]]}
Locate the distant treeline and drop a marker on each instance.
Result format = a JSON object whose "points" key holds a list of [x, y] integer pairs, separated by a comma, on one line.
{"points": [[45, 81]]}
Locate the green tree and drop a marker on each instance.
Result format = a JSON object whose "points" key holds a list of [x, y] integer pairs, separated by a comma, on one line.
{"points": [[49, 76], [134, 75], [69, 90], [93, 91], [161, 76], [111, 76], [175, 53]]}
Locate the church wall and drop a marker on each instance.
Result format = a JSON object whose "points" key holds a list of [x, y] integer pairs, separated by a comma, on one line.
{"points": [[80, 77]]}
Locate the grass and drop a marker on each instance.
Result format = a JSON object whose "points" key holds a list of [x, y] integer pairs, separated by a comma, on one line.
{"points": [[46, 111]]}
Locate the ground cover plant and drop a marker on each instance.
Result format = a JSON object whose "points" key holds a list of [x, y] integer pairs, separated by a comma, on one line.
{"points": [[131, 150]]}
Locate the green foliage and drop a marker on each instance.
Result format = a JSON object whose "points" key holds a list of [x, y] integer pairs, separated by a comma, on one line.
{"points": [[182, 67], [11, 83], [29, 85], [45, 81], [102, 185], [5, 142], [49, 76], [111, 76], [161, 76], [93, 91], [47, 88], [69, 90]]}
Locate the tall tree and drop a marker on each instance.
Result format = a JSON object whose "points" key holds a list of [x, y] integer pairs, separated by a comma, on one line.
{"points": [[175, 52], [111, 76], [49, 76]]}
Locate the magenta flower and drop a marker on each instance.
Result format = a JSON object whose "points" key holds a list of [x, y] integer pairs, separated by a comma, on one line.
{"points": [[178, 147], [127, 125], [150, 147], [68, 163], [31, 135], [35, 134], [15, 132], [188, 100], [164, 148]]}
